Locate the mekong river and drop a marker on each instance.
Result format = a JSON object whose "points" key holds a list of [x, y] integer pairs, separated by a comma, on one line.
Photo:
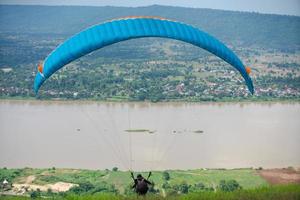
{"points": [[147, 136]]}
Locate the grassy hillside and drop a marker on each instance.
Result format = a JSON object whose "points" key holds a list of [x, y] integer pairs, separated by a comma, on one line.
{"points": [[282, 192], [120, 181], [208, 184]]}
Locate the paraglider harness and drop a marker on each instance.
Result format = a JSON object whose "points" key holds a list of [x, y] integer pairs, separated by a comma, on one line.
{"points": [[141, 184]]}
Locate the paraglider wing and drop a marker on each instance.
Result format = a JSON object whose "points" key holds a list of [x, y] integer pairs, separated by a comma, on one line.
{"points": [[117, 30]]}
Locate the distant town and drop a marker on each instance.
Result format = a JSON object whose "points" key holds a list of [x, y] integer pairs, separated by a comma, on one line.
{"points": [[207, 78], [152, 69]]}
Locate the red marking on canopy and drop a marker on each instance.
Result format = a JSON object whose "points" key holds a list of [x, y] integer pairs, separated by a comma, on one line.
{"points": [[248, 70], [40, 68]]}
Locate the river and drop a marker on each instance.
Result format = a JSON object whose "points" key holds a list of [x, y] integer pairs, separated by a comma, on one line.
{"points": [[148, 136]]}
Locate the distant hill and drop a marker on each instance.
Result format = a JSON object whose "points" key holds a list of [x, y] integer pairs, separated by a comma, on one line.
{"points": [[236, 28]]}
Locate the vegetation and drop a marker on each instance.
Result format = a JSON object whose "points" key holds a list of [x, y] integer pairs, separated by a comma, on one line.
{"points": [[9, 174], [166, 183], [89, 188], [229, 186], [150, 69], [280, 192], [266, 30], [35, 194], [125, 82], [114, 169], [166, 176]]}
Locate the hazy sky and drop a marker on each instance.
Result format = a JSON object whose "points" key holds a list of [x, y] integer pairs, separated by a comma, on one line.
{"points": [[289, 7]]}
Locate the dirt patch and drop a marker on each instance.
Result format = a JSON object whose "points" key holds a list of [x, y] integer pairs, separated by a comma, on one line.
{"points": [[56, 187], [29, 179], [280, 176], [61, 186], [28, 185]]}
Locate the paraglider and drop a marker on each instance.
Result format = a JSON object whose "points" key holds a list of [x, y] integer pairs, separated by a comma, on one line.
{"points": [[141, 185], [122, 29]]}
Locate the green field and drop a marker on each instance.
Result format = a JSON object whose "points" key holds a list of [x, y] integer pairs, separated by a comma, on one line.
{"points": [[120, 181], [114, 184], [280, 192], [247, 178]]}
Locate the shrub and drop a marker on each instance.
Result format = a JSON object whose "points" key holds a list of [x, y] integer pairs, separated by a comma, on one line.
{"points": [[229, 186], [115, 169], [166, 176], [49, 192], [35, 194], [50, 179], [182, 188], [152, 189], [82, 188]]}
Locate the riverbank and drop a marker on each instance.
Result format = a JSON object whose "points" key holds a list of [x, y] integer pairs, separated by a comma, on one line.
{"points": [[183, 100]]}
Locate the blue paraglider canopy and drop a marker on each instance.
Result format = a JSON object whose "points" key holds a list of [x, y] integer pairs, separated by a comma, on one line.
{"points": [[122, 29]]}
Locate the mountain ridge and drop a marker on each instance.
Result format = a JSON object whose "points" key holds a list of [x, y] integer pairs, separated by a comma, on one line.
{"points": [[232, 27]]}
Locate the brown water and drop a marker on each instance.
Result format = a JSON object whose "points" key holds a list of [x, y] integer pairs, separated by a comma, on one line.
{"points": [[92, 135]]}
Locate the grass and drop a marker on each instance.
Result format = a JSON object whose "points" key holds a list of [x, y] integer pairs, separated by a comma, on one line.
{"points": [[247, 178], [279, 192], [69, 175]]}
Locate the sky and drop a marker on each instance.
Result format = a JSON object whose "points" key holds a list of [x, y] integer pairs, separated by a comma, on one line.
{"points": [[286, 7]]}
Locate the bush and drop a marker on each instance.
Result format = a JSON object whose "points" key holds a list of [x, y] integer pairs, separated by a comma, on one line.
{"points": [[166, 185], [49, 192], [200, 187], [182, 188], [129, 190], [229, 186], [82, 188], [115, 169], [50, 179], [88, 188], [9, 174], [166, 176], [152, 189], [35, 194], [260, 168]]}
